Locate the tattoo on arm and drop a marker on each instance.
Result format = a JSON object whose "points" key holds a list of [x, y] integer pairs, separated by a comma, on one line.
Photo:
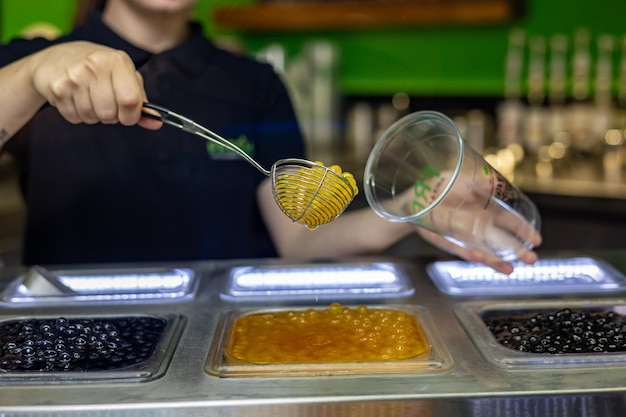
{"points": [[4, 137]]}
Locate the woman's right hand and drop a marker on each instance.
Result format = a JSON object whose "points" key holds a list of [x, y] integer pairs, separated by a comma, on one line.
{"points": [[90, 83]]}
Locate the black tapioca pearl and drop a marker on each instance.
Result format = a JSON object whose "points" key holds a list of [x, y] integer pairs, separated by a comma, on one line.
{"points": [[49, 335], [589, 334], [45, 327]]}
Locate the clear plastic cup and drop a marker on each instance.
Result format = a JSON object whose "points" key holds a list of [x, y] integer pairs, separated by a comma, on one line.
{"points": [[422, 171]]}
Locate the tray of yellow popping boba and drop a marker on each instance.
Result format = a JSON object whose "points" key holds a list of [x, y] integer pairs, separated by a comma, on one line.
{"points": [[324, 341]]}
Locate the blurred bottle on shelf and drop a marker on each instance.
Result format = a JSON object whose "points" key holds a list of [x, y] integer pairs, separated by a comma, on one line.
{"points": [[620, 109], [360, 130], [570, 116], [312, 80], [558, 143], [580, 111], [535, 132], [611, 118], [608, 138], [510, 112], [323, 58], [368, 119]]}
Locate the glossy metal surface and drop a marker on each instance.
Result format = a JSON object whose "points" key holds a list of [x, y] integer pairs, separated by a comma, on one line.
{"points": [[472, 388], [571, 275]]}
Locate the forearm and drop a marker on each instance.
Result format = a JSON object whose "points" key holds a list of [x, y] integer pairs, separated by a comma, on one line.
{"points": [[20, 101], [354, 233]]}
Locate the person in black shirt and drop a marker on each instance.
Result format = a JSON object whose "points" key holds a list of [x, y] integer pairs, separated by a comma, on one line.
{"points": [[105, 184]]}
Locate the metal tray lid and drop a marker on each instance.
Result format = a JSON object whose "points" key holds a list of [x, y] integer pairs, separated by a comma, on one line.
{"points": [[315, 282], [39, 285], [546, 276]]}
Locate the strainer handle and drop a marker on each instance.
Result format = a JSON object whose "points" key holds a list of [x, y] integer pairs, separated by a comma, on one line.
{"points": [[174, 119]]}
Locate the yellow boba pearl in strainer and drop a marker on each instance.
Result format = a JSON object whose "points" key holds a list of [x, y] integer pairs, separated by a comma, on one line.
{"points": [[311, 193]]}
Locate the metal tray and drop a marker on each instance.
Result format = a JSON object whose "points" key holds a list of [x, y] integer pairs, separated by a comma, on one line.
{"points": [[42, 286], [317, 282], [546, 276], [132, 347], [473, 317], [437, 359]]}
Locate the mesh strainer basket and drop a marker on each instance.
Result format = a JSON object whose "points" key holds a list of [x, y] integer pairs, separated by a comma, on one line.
{"points": [[310, 193]]}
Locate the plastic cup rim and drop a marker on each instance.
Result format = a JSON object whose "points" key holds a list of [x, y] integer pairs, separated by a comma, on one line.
{"points": [[385, 139]]}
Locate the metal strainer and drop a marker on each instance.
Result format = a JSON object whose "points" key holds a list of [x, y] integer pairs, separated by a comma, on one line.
{"points": [[309, 193]]}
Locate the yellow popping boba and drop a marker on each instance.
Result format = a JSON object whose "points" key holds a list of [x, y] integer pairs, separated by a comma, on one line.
{"points": [[311, 193]]}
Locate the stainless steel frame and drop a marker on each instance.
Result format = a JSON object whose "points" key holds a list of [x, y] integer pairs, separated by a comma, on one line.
{"points": [[472, 388]]}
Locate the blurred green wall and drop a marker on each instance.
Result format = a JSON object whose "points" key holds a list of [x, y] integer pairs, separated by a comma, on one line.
{"points": [[35, 16], [26, 17], [419, 61], [446, 60]]}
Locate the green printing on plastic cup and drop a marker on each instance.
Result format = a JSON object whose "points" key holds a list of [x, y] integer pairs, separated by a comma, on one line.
{"points": [[421, 187]]}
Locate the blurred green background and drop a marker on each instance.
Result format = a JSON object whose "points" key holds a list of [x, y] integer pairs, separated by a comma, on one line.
{"points": [[427, 61]]}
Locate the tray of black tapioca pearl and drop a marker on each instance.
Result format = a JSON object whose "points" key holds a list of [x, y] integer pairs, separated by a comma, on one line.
{"points": [[545, 334], [66, 348]]}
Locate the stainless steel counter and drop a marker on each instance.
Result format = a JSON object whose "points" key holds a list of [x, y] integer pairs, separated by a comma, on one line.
{"points": [[472, 388]]}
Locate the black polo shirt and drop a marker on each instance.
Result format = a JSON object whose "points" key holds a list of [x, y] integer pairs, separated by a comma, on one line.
{"points": [[110, 193]]}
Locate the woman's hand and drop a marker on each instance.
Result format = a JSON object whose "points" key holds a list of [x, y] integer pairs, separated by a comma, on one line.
{"points": [[472, 255], [90, 83]]}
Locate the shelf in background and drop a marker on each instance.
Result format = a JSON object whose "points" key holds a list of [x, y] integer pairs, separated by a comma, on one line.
{"points": [[298, 17]]}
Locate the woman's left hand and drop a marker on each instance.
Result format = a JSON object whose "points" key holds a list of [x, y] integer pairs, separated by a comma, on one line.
{"points": [[472, 255]]}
